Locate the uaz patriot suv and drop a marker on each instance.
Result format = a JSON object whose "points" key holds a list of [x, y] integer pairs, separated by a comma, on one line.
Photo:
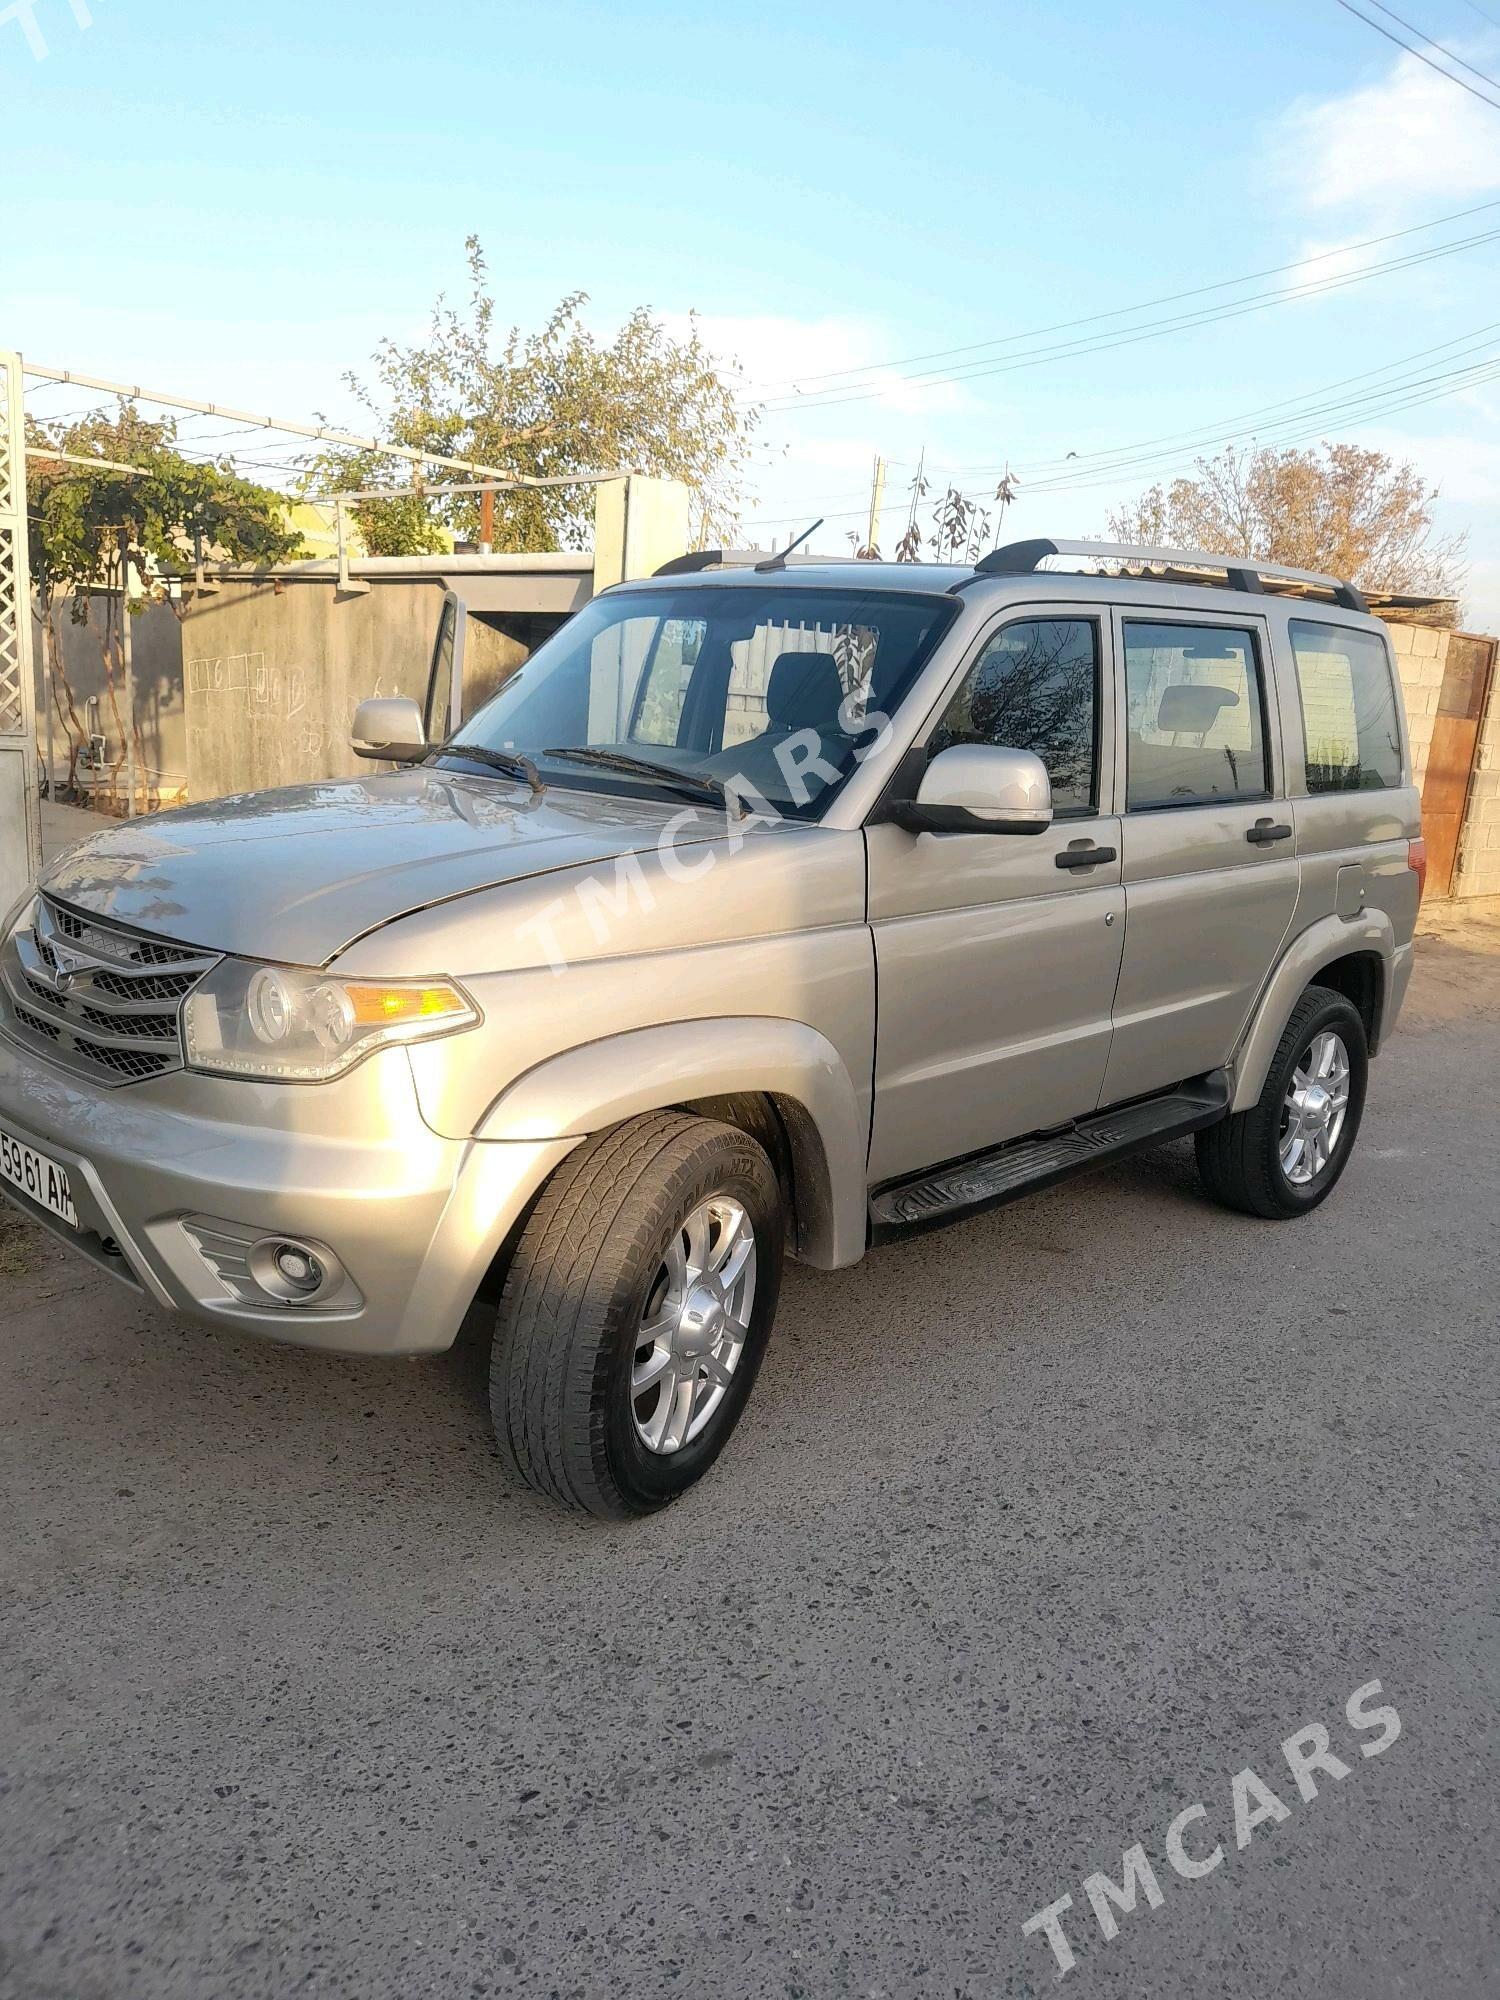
{"points": [[767, 908]]}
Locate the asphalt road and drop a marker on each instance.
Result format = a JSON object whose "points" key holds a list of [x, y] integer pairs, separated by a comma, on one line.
{"points": [[1036, 1532]]}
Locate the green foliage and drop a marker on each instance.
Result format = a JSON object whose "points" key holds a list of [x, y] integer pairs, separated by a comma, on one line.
{"points": [[541, 404], [81, 518]]}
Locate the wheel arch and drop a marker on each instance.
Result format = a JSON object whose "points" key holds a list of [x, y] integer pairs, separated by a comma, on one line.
{"points": [[1355, 959], [781, 1081]]}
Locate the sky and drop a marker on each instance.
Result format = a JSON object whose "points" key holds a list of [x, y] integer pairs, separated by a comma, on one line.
{"points": [[237, 204]]}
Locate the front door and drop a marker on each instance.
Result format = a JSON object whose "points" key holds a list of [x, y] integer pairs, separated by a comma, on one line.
{"points": [[996, 963], [1210, 867]]}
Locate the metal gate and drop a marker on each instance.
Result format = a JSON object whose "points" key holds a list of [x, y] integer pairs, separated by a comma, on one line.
{"points": [[1467, 671], [20, 802]]}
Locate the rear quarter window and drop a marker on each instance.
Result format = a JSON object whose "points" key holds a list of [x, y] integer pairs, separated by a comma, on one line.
{"points": [[1350, 719]]}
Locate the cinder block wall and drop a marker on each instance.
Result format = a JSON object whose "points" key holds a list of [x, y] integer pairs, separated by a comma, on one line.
{"points": [[1421, 653]]}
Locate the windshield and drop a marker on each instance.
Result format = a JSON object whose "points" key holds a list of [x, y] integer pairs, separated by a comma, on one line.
{"points": [[766, 690]]}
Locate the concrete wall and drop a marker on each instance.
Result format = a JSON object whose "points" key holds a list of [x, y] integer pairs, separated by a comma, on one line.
{"points": [[639, 523], [156, 649], [275, 670]]}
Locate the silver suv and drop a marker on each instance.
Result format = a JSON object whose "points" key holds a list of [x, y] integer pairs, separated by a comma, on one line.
{"points": [[768, 908]]}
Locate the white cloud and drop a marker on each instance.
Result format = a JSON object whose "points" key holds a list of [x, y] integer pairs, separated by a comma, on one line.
{"points": [[774, 356], [1390, 149]]}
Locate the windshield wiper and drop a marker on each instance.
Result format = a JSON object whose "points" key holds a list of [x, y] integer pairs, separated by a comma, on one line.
{"points": [[511, 762], [693, 784]]}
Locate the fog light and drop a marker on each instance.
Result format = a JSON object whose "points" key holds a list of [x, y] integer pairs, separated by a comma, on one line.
{"points": [[293, 1271], [299, 1267]]}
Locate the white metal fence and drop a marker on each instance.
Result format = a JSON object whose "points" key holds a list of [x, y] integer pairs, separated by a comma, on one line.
{"points": [[20, 804]]}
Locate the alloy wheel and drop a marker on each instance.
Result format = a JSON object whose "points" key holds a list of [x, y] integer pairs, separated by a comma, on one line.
{"points": [[695, 1325], [1314, 1109]]}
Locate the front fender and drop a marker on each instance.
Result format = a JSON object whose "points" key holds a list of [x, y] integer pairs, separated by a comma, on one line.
{"points": [[1319, 945], [620, 1076]]}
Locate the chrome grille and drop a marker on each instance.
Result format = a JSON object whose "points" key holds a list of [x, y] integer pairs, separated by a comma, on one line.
{"points": [[98, 999]]}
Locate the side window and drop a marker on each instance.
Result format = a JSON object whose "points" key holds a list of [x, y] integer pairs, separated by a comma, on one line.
{"points": [[1194, 732], [660, 702], [1349, 716], [1035, 687]]}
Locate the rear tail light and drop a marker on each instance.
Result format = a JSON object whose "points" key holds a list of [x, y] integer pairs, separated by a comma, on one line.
{"points": [[1416, 861]]}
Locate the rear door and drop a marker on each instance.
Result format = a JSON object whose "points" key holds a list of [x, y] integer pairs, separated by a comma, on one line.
{"points": [[1209, 862], [1355, 803]]}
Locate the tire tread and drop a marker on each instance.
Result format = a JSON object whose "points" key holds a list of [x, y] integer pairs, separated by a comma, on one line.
{"points": [[1234, 1160], [549, 1371]]}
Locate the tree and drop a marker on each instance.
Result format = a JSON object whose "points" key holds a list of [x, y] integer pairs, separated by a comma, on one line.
{"points": [[961, 523], [541, 404], [85, 525], [1341, 509]]}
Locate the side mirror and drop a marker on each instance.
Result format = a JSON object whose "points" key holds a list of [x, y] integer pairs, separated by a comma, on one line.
{"points": [[979, 788], [389, 728]]}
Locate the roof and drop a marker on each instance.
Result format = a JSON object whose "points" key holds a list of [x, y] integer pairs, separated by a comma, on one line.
{"points": [[747, 572], [1110, 565]]}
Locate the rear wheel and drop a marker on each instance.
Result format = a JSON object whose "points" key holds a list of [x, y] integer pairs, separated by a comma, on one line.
{"points": [[635, 1313], [1285, 1154]]}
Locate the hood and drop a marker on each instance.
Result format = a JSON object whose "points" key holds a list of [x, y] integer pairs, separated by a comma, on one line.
{"points": [[297, 875]]}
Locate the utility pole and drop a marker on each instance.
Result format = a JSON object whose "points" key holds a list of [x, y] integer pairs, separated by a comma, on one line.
{"points": [[877, 492], [487, 521]]}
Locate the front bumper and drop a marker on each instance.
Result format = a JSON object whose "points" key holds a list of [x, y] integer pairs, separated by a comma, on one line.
{"points": [[415, 1219]]}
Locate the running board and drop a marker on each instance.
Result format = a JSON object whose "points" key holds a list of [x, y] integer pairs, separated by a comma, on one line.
{"points": [[986, 1180]]}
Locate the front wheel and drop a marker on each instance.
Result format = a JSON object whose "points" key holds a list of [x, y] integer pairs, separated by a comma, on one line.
{"points": [[1285, 1154], [635, 1313]]}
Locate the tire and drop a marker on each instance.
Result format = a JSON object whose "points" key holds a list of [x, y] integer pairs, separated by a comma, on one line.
{"points": [[593, 1258], [1240, 1159]]}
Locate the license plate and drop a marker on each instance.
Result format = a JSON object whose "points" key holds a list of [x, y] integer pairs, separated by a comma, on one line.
{"points": [[43, 1180]]}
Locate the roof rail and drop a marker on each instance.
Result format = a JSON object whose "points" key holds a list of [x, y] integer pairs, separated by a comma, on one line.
{"points": [[762, 559], [695, 559], [1241, 572]]}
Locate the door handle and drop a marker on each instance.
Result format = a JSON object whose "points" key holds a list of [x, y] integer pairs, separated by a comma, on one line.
{"points": [[1264, 832], [1083, 855]]}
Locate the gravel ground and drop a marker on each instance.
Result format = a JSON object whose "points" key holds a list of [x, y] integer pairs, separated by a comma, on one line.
{"points": [[1037, 1532]]}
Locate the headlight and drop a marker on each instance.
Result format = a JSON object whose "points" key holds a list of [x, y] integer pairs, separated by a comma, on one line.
{"points": [[292, 1026]]}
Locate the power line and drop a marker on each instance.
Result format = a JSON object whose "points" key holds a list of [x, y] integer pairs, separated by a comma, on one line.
{"points": [[1385, 400], [1494, 23], [1098, 344], [1101, 343], [1295, 409], [1433, 43], [1294, 428], [1460, 341], [1348, 9], [1146, 305]]}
